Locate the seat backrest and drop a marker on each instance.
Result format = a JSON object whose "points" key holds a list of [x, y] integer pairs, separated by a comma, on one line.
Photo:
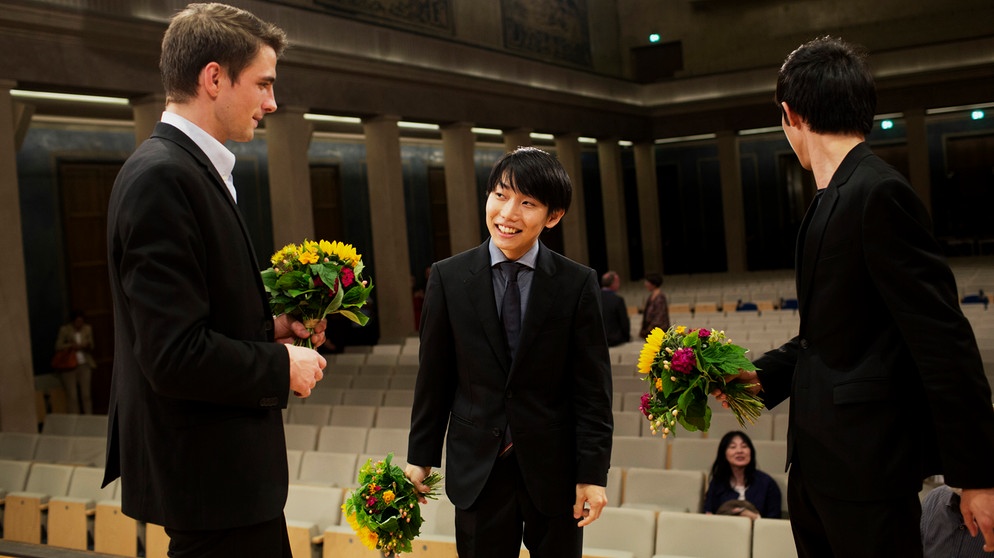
{"points": [[326, 396], [60, 424], [377, 370], [387, 440], [85, 483], [632, 530], [301, 436], [704, 536], [439, 517], [54, 449], [353, 415], [378, 359], [331, 468], [49, 478], [638, 451], [18, 445], [723, 421], [399, 397], [372, 397], [771, 455], [320, 505], [401, 381], [293, 459], [615, 486], [342, 439], [310, 413], [393, 417], [628, 423], [691, 454], [13, 474], [89, 451], [371, 382], [668, 489], [772, 538], [781, 480], [91, 425]]}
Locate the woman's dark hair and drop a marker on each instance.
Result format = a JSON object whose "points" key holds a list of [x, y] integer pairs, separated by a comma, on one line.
{"points": [[828, 83], [534, 173], [655, 278], [721, 471]]}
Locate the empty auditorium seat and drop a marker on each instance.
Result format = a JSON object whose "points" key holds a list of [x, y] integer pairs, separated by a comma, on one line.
{"points": [[772, 538], [353, 415], [327, 469], [372, 397], [723, 421], [664, 489], [25, 512], [398, 397], [54, 449], [703, 536], [18, 445], [691, 454], [638, 451], [91, 425], [301, 436], [621, 529], [71, 517], [293, 458], [342, 439], [311, 413], [60, 424], [309, 511], [628, 423], [382, 441], [771, 455], [393, 417]]}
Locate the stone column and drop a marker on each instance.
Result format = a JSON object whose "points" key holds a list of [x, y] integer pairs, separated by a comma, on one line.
{"points": [[287, 137], [919, 170], [17, 400], [461, 199], [387, 214], [731, 200], [147, 111], [575, 223], [519, 137], [648, 190], [613, 196]]}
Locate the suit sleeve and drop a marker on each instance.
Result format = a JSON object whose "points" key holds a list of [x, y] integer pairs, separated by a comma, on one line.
{"points": [[592, 388], [917, 286], [435, 387], [776, 372], [198, 320]]}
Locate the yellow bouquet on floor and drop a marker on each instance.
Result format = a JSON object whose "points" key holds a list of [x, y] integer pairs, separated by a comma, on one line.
{"points": [[682, 367], [314, 279], [384, 511]]}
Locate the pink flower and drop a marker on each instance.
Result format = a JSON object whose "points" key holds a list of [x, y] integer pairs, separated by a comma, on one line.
{"points": [[703, 334], [644, 407], [347, 276], [683, 360], [371, 501]]}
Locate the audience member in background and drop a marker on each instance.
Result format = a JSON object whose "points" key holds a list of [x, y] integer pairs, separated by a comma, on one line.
{"points": [[734, 477], [944, 534], [515, 367], [195, 428], [656, 312], [617, 324], [78, 335], [886, 383]]}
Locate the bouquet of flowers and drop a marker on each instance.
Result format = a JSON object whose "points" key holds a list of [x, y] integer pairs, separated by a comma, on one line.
{"points": [[384, 510], [683, 366], [314, 279]]}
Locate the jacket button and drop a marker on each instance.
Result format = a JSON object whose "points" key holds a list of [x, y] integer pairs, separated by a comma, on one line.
{"points": [[267, 325], [496, 432], [804, 343]]}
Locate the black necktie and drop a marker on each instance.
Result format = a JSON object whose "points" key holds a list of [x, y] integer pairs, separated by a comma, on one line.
{"points": [[510, 310]]}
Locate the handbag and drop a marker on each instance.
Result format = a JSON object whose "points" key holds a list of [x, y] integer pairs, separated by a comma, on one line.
{"points": [[64, 359]]}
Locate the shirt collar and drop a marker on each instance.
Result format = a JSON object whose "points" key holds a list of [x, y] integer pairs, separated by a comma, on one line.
{"points": [[219, 155], [528, 260]]}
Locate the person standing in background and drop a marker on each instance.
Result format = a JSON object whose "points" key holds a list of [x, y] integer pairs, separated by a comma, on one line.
{"points": [[617, 324], [78, 335], [195, 428], [656, 312]]}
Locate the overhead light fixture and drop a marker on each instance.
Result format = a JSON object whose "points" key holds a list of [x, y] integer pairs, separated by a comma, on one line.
{"points": [[487, 131], [417, 125], [582, 139], [683, 139], [625, 143], [68, 97], [538, 136], [332, 118]]}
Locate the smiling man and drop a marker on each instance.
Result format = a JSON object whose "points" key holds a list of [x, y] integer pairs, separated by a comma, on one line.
{"points": [[514, 363], [195, 429]]}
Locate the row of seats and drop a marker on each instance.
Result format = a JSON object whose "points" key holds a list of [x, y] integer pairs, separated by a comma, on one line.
{"points": [[769, 426], [381, 416], [324, 395], [346, 439], [688, 453], [46, 448]]}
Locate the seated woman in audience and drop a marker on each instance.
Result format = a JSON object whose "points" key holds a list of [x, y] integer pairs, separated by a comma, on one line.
{"points": [[734, 477]]}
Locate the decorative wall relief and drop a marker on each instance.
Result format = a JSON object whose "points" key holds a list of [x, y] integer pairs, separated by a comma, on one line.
{"points": [[552, 29], [433, 15]]}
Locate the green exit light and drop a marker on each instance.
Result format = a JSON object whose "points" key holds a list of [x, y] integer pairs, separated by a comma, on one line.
{"points": [[977, 115], [886, 124], [654, 37]]}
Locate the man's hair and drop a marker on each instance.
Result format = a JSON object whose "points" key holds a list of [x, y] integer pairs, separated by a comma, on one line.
{"points": [[205, 33], [608, 278], [828, 83], [534, 173], [656, 279]]}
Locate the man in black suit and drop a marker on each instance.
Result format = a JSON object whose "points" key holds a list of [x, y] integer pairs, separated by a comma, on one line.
{"points": [[885, 379], [515, 364], [617, 324], [195, 429]]}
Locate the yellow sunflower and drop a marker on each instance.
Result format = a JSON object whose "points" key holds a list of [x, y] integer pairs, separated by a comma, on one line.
{"points": [[653, 342], [344, 252]]}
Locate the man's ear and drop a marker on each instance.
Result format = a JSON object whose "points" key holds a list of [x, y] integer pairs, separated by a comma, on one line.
{"points": [[790, 117], [210, 78], [554, 218]]}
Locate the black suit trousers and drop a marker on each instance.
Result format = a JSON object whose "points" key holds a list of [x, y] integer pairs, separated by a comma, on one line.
{"points": [[268, 539], [504, 515]]}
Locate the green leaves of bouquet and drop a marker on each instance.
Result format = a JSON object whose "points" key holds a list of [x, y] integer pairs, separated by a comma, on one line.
{"points": [[312, 280], [682, 367], [384, 511]]}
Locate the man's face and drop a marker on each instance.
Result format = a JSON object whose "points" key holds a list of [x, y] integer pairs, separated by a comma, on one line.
{"points": [[241, 105], [515, 221]]}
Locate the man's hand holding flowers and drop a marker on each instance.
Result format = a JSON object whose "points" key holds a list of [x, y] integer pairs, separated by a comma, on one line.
{"points": [[747, 377], [306, 365]]}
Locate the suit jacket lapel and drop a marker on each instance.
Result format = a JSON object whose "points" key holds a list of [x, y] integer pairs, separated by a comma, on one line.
{"points": [[540, 299], [479, 284]]}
